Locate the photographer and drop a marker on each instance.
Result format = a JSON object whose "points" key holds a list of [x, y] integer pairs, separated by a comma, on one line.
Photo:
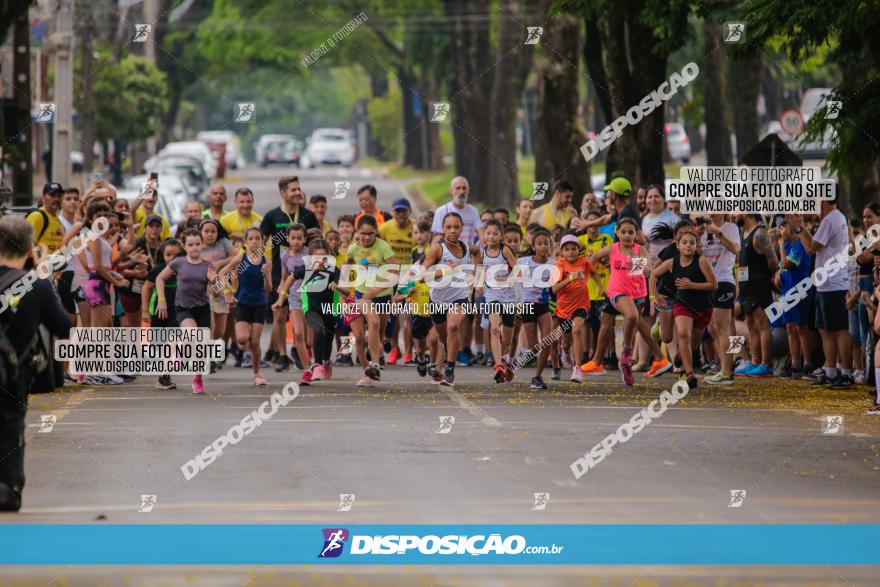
{"points": [[20, 323]]}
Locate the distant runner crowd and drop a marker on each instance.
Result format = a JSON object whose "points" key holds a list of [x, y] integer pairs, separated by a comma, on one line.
{"points": [[537, 288]]}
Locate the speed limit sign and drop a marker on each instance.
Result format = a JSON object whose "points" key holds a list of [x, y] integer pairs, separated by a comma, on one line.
{"points": [[792, 122]]}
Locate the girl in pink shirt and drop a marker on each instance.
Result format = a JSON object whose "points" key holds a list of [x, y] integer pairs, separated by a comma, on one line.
{"points": [[628, 296]]}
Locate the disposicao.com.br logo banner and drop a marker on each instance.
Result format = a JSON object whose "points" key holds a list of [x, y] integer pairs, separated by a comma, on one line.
{"points": [[546, 544]]}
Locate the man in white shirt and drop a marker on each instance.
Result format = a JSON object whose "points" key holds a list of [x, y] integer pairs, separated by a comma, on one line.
{"points": [[830, 244]]}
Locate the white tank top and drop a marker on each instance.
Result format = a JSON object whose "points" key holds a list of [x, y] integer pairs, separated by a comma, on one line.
{"points": [[492, 290], [533, 294], [444, 291]]}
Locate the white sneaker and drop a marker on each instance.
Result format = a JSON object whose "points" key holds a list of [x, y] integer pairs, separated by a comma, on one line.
{"points": [[576, 375], [566, 360], [859, 377], [247, 361], [111, 379]]}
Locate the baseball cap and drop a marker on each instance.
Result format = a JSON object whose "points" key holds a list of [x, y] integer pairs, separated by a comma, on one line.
{"points": [[153, 218], [53, 187], [401, 203], [619, 185], [569, 238]]}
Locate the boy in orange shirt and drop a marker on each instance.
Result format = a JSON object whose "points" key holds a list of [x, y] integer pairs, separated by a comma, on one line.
{"points": [[573, 298]]}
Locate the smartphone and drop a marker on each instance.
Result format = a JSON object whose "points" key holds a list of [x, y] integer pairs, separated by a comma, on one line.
{"points": [[154, 176]]}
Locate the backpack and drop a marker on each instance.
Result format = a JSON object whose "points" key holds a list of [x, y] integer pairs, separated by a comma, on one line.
{"points": [[12, 362], [45, 223]]}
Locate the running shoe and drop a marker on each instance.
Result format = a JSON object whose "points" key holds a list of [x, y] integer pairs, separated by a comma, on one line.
{"points": [[859, 378], [745, 370], [611, 362], [576, 375], [500, 375], [659, 368], [591, 368], [111, 379], [283, 364], [306, 378], [509, 373], [626, 373], [436, 377], [165, 382], [462, 359], [537, 383], [822, 381], [197, 385], [373, 371], [490, 360], [480, 358], [719, 379], [874, 409], [364, 382], [448, 377], [566, 360], [408, 359], [422, 366], [842, 382], [247, 360], [761, 371], [691, 380], [259, 380], [394, 356], [318, 373], [93, 380], [556, 376], [270, 356]]}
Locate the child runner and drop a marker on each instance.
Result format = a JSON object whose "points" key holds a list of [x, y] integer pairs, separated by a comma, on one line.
{"points": [[572, 296], [448, 289], [320, 282], [627, 294], [168, 250], [692, 308], [535, 314], [499, 293], [217, 251], [370, 254], [194, 278], [253, 274], [290, 292]]}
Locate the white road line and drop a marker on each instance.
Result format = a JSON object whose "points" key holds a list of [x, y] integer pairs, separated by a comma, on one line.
{"points": [[471, 408]]}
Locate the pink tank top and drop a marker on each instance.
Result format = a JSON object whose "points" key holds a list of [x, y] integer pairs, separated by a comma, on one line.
{"points": [[621, 282]]}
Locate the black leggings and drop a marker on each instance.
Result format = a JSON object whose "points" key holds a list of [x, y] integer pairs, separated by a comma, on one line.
{"points": [[323, 325]]}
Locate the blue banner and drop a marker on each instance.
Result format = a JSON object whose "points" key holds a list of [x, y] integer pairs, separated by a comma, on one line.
{"points": [[219, 544]]}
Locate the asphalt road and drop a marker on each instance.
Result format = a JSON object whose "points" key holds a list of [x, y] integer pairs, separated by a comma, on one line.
{"points": [[110, 445]]}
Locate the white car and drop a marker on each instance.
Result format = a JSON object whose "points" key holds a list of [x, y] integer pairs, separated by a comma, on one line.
{"points": [[172, 189], [331, 146], [677, 142], [165, 206], [234, 157], [196, 149], [265, 140]]}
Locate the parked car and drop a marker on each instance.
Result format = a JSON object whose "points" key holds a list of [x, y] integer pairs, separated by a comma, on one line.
{"points": [[188, 168], [234, 156], [171, 187], [283, 152], [677, 142], [329, 146], [264, 141], [196, 149], [166, 205]]}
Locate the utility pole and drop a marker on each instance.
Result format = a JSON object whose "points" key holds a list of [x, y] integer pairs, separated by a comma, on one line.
{"points": [[62, 140], [23, 172]]}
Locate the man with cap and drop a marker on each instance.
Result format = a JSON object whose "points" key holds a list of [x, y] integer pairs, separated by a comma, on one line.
{"points": [[399, 234], [619, 192], [48, 232], [559, 209]]}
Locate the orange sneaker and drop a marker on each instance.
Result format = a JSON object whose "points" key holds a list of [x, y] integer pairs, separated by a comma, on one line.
{"points": [[659, 368], [592, 368], [393, 356]]}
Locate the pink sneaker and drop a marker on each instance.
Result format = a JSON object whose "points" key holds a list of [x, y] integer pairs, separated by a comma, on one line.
{"points": [[306, 377], [364, 382], [197, 385], [318, 373], [626, 371]]}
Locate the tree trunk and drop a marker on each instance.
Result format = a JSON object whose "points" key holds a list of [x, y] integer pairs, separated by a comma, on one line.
{"points": [[412, 136], [378, 88], [745, 78], [593, 52], [623, 156], [87, 113], [506, 92], [718, 150], [559, 120], [649, 72], [471, 94]]}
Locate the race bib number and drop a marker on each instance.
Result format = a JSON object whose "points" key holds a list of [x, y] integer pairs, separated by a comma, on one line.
{"points": [[137, 286], [743, 274]]}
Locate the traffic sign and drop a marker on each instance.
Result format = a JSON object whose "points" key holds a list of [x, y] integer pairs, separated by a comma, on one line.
{"points": [[792, 122]]}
